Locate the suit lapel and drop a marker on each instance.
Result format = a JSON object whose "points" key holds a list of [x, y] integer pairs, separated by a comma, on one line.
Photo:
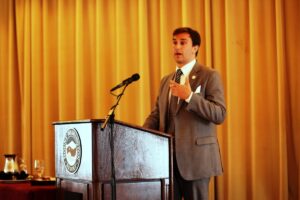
{"points": [[194, 77], [165, 98]]}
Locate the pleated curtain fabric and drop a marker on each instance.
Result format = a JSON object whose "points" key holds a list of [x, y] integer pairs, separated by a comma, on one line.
{"points": [[52, 58]]}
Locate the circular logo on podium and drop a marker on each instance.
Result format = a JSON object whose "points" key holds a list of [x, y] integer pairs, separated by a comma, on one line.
{"points": [[72, 150]]}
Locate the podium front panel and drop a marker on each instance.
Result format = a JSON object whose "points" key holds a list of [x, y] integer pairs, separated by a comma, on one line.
{"points": [[138, 154], [73, 151]]}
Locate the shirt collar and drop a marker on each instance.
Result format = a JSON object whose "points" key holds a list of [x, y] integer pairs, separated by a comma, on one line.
{"points": [[187, 68]]}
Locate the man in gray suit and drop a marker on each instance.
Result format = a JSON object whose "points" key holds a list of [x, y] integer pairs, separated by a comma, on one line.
{"points": [[189, 105]]}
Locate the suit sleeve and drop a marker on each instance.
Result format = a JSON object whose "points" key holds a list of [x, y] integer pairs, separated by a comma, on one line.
{"points": [[152, 121], [211, 104]]}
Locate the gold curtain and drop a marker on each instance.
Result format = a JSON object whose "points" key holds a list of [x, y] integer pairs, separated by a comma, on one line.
{"points": [[59, 59]]}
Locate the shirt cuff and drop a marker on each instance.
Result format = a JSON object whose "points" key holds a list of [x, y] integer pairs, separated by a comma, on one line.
{"points": [[189, 98]]}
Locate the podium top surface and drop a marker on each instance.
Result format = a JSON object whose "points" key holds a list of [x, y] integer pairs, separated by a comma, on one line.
{"points": [[79, 121], [96, 121]]}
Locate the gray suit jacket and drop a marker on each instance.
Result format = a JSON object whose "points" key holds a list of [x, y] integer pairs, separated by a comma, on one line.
{"points": [[196, 145]]}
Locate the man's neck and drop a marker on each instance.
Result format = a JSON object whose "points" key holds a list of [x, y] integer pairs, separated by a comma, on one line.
{"points": [[185, 64], [180, 65]]}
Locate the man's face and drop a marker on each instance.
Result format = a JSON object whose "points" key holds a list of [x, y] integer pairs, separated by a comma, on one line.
{"points": [[183, 49]]}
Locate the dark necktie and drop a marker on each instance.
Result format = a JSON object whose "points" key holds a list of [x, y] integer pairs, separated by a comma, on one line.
{"points": [[173, 105], [178, 75]]}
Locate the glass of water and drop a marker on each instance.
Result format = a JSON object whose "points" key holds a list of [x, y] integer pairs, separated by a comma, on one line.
{"points": [[38, 169]]}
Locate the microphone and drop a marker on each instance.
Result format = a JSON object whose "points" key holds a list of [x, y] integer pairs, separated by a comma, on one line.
{"points": [[127, 81]]}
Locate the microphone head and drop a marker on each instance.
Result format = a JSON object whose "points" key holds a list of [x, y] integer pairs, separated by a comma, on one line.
{"points": [[135, 77]]}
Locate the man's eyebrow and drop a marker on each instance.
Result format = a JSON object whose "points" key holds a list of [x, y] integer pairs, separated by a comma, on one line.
{"points": [[182, 39]]}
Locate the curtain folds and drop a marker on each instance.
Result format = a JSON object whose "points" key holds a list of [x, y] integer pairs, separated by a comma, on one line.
{"points": [[59, 59]]}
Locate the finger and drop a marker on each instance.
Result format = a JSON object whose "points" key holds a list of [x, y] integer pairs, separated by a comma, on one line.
{"points": [[173, 83]]}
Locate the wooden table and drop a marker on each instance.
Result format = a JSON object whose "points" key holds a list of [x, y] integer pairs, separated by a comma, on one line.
{"points": [[25, 191]]}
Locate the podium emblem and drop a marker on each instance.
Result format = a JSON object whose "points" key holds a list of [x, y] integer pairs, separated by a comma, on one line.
{"points": [[72, 151]]}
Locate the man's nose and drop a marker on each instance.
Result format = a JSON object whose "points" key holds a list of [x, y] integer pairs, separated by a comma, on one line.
{"points": [[177, 46]]}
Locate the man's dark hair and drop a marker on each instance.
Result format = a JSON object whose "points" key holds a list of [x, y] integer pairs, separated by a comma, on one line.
{"points": [[195, 36]]}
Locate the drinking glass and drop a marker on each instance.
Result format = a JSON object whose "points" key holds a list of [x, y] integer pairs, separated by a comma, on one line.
{"points": [[38, 169]]}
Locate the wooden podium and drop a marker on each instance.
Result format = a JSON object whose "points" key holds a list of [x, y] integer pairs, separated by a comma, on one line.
{"points": [[142, 159]]}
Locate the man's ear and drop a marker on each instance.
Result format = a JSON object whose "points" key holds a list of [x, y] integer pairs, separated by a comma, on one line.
{"points": [[195, 48]]}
